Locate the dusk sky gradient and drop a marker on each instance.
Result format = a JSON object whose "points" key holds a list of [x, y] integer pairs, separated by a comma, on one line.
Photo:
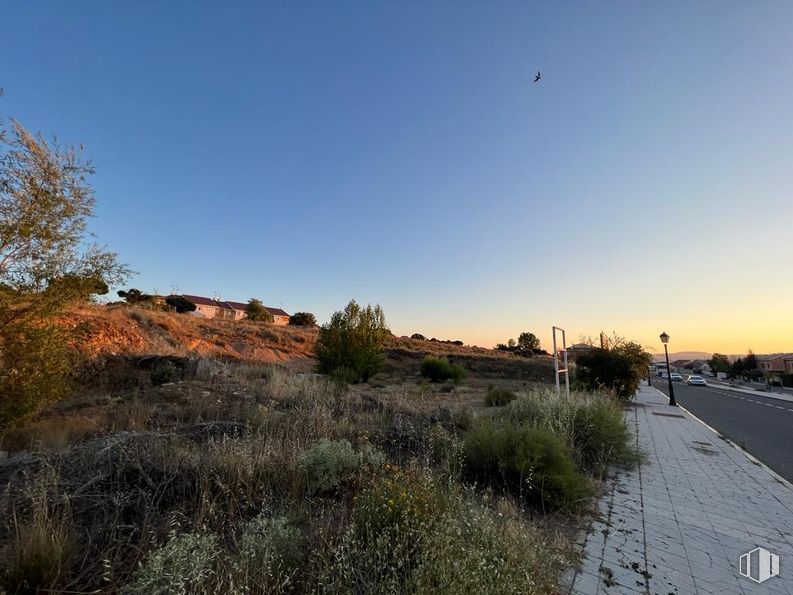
{"points": [[307, 153]]}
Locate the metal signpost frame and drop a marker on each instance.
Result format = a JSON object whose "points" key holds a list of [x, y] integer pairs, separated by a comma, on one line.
{"points": [[563, 369]]}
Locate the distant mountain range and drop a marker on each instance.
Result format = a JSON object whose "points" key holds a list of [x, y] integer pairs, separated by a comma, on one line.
{"points": [[687, 355]]}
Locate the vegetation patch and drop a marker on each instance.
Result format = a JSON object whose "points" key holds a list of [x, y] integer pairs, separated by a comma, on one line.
{"points": [[437, 369]]}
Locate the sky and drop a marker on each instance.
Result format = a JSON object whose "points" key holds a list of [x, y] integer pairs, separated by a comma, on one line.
{"points": [[308, 153]]}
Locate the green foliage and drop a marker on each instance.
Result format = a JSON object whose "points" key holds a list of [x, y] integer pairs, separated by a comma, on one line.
{"points": [[181, 304], [719, 363], [413, 535], [134, 296], [37, 371], [619, 369], [45, 263], [418, 337], [270, 553], [439, 370], [162, 372], [353, 341], [498, 396], [303, 319], [329, 463], [532, 464], [528, 342], [186, 561], [592, 424], [256, 311]]}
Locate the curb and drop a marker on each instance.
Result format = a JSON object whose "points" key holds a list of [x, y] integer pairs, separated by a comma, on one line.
{"points": [[752, 458], [758, 393]]}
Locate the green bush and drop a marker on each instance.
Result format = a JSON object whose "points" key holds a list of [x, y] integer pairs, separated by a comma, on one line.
{"points": [[256, 311], [439, 370], [302, 319], [177, 568], [498, 396], [592, 424], [411, 535], [329, 463], [532, 464], [36, 369], [619, 369], [353, 342], [270, 553]]}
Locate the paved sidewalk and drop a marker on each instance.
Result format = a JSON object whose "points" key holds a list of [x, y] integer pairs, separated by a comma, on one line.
{"points": [[679, 522]]}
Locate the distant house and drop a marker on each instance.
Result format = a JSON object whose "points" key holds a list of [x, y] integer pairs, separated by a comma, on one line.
{"points": [[578, 349], [227, 310], [775, 365]]}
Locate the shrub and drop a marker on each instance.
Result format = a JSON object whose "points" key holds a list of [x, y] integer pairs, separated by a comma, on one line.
{"points": [[257, 312], [353, 341], [329, 463], [619, 369], [531, 463], [439, 370], [181, 304], [270, 553], [40, 552], [592, 424], [498, 396], [181, 566], [162, 372], [418, 337], [35, 370], [303, 319]]}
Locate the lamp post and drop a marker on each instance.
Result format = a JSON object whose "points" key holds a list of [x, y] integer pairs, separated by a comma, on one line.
{"points": [[665, 340]]}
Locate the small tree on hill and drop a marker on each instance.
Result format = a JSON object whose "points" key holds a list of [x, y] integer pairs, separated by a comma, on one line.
{"points": [[303, 319], [350, 346], [181, 304], [256, 311], [528, 342]]}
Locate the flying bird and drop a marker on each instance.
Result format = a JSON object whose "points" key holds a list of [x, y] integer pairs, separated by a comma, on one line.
{"points": [[537, 77]]}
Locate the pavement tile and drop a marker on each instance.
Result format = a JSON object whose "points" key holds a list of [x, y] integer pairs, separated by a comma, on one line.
{"points": [[691, 513]]}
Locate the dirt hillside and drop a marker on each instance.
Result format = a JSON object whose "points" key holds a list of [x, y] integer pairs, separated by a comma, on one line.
{"points": [[102, 331]]}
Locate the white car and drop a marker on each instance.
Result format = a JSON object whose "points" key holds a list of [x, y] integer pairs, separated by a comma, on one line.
{"points": [[697, 381], [676, 377]]}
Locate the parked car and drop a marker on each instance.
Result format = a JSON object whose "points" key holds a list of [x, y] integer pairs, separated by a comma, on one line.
{"points": [[697, 381], [676, 377]]}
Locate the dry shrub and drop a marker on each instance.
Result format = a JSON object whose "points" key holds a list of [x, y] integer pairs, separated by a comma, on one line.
{"points": [[42, 543], [49, 433]]}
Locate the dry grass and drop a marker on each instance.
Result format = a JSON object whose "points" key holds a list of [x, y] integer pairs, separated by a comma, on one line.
{"points": [[204, 457]]}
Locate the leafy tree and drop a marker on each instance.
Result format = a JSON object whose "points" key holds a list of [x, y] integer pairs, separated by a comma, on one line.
{"points": [[133, 296], [511, 344], [350, 346], [181, 304], [418, 337], [303, 319], [750, 362], [719, 363], [528, 342], [256, 311], [738, 367], [46, 264], [619, 369]]}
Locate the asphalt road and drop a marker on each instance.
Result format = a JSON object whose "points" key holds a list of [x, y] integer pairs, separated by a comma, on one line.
{"points": [[760, 425]]}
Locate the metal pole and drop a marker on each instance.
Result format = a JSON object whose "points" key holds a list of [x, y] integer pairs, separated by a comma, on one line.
{"points": [[556, 361], [566, 368], [672, 401]]}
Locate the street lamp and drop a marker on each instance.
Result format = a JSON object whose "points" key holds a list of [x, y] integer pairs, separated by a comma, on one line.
{"points": [[665, 340]]}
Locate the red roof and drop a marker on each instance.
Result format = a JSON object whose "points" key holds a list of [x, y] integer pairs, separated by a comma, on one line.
{"points": [[228, 305]]}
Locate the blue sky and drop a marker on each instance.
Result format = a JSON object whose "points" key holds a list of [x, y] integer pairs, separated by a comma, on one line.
{"points": [[397, 152]]}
